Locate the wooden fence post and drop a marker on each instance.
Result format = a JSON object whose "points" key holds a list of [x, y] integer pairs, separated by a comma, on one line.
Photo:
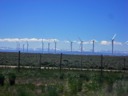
{"points": [[81, 61], [124, 64], [61, 61], [101, 71], [39, 61], [18, 61]]}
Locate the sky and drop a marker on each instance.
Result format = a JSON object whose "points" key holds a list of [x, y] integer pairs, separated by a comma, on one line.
{"points": [[63, 21]]}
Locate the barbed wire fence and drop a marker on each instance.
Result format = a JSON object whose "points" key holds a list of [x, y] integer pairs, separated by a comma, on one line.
{"points": [[63, 61]]}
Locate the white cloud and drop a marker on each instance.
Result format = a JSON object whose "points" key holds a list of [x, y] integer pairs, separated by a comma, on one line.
{"points": [[27, 39], [84, 42], [109, 43], [105, 42], [118, 43], [66, 41]]}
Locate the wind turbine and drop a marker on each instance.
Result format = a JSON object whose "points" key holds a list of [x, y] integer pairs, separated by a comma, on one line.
{"points": [[23, 47], [81, 45], [93, 46], [55, 45], [48, 47], [71, 44], [113, 39], [27, 45]]}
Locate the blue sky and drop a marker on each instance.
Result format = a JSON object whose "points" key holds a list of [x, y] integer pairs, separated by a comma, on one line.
{"points": [[65, 20]]}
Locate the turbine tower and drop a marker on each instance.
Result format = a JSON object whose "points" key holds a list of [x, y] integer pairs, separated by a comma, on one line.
{"points": [[113, 38], [48, 47], [71, 44], [93, 46], [81, 45], [23, 47], [27, 45]]}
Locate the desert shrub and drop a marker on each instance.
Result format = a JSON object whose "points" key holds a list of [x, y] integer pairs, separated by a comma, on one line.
{"points": [[2, 78], [30, 86], [74, 84], [110, 79], [23, 91], [92, 86], [61, 76], [121, 88], [12, 78], [43, 88], [84, 77], [51, 90], [60, 88]]}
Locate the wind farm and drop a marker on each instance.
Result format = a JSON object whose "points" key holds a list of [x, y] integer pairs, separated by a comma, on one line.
{"points": [[54, 45], [63, 48]]}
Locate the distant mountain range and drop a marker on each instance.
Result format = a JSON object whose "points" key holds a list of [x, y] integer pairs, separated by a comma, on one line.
{"points": [[52, 51]]}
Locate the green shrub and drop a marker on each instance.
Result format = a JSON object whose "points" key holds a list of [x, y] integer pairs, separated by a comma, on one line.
{"points": [[61, 76], [75, 85], [51, 91], [43, 88], [60, 88], [121, 87], [84, 76], [92, 86], [23, 91], [12, 78], [2, 78]]}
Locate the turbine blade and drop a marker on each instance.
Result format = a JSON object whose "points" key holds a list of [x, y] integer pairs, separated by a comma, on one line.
{"points": [[114, 37]]}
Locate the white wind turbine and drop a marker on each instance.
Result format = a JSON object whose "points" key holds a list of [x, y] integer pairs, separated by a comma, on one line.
{"points": [[27, 45], [93, 45], [113, 39], [81, 45], [71, 45], [48, 47], [55, 42], [23, 47]]}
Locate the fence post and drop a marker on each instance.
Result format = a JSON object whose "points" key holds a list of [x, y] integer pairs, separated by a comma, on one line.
{"points": [[101, 71], [124, 64], [18, 61], [61, 61], [40, 61], [81, 61]]}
